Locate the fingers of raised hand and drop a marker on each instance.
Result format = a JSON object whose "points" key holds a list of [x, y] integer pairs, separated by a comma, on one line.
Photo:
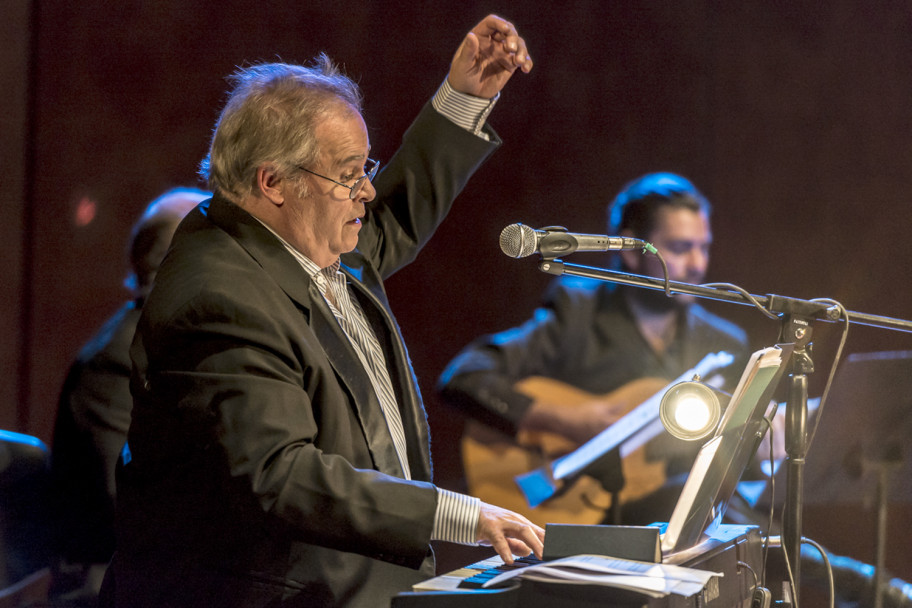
{"points": [[505, 43]]}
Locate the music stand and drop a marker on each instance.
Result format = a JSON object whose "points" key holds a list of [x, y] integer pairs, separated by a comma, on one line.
{"points": [[860, 455], [867, 420]]}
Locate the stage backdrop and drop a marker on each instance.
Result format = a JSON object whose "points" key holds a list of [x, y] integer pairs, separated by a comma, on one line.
{"points": [[794, 118]]}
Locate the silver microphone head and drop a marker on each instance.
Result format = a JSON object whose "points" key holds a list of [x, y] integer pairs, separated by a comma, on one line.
{"points": [[518, 240]]}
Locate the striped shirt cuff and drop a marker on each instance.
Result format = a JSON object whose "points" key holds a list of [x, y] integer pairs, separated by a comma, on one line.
{"points": [[456, 518], [467, 111]]}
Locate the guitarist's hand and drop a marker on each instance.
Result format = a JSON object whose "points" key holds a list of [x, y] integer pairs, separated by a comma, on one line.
{"points": [[508, 533], [579, 423]]}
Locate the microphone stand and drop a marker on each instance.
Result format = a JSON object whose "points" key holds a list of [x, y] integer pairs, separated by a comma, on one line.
{"points": [[795, 316]]}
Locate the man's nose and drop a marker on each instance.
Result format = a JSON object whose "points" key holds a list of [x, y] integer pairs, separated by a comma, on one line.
{"points": [[697, 261], [367, 193]]}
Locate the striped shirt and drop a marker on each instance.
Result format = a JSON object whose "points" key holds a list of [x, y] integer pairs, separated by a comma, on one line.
{"points": [[456, 516], [467, 111], [333, 286]]}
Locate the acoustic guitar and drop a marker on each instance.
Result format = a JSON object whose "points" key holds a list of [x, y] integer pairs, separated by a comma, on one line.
{"points": [[493, 460]]}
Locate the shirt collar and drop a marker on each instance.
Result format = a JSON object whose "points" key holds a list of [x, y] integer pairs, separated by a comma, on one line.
{"points": [[309, 266]]}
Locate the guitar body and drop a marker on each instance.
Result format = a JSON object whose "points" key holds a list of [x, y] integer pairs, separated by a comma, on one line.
{"points": [[492, 459]]}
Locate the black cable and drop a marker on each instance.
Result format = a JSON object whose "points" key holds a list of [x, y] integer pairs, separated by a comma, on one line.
{"points": [[745, 294], [826, 390], [772, 511], [649, 247], [751, 570], [827, 566]]}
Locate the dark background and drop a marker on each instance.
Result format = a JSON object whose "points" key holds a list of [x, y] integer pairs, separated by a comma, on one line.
{"points": [[793, 117]]}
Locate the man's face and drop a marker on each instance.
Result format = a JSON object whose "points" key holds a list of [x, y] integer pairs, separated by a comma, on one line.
{"points": [[326, 222], [683, 237]]}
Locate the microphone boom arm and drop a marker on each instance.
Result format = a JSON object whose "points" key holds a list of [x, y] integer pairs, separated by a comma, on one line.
{"points": [[771, 302]]}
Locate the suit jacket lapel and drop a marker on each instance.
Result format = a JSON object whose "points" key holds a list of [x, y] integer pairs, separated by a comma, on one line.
{"points": [[369, 289], [354, 379], [285, 270]]}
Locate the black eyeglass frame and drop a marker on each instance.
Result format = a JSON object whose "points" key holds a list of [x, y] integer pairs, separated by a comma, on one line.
{"points": [[355, 188]]}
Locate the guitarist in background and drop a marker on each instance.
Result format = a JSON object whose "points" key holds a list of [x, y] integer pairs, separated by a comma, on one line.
{"points": [[600, 337]]}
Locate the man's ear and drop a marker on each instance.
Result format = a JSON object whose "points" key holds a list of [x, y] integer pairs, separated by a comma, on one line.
{"points": [[269, 183]]}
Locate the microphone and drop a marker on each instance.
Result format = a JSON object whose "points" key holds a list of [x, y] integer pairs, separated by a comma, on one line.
{"points": [[519, 241]]}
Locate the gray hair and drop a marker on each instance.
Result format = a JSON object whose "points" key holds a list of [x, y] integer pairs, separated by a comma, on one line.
{"points": [[270, 116]]}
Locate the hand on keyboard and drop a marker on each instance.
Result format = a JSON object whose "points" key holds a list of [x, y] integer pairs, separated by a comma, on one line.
{"points": [[509, 533]]}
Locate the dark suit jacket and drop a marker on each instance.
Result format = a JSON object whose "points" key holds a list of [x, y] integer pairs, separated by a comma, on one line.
{"points": [[261, 471]]}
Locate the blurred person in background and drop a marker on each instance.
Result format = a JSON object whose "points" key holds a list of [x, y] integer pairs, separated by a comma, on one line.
{"points": [[93, 414]]}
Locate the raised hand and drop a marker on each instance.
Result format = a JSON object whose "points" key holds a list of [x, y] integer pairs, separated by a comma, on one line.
{"points": [[487, 58]]}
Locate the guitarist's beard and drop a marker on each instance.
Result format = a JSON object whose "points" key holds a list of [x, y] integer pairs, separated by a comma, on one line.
{"points": [[656, 302]]}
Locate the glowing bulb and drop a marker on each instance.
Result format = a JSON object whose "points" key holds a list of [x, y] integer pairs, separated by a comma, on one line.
{"points": [[690, 410], [692, 413]]}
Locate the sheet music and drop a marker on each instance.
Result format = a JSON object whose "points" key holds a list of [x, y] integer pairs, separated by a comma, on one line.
{"points": [[654, 580]]}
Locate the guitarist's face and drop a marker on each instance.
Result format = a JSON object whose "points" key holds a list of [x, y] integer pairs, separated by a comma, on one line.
{"points": [[683, 237]]}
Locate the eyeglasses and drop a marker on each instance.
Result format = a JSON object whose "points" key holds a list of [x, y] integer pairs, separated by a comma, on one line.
{"points": [[370, 171]]}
